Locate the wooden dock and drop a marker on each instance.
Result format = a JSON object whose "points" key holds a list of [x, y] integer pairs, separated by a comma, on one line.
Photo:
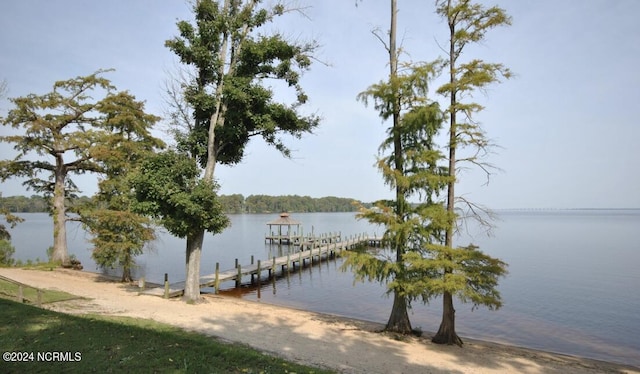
{"points": [[302, 240], [315, 250]]}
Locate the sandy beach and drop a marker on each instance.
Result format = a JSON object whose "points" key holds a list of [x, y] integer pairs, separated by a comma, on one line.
{"points": [[344, 345]]}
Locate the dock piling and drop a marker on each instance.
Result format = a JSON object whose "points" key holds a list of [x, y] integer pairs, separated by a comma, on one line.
{"points": [[216, 282], [239, 276], [259, 271], [166, 285]]}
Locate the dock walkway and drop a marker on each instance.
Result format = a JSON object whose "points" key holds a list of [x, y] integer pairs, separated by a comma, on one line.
{"points": [[285, 263]]}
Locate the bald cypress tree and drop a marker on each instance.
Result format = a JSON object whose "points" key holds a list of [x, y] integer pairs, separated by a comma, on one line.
{"points": [[465, 272], [61, 133]]}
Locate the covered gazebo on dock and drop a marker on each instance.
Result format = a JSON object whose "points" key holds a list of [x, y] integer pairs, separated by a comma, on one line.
{"points": [[287, 236]]}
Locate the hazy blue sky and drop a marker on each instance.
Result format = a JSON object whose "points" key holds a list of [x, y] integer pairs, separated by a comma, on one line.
{"points": [[567, 123]]}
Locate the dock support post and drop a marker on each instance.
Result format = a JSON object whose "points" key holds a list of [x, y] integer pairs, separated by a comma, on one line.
{"points": [[251, 259], [239, 276], [300, 260], [273, 267], [216, 283], [288, 262], [166, 285], [259, 271]]}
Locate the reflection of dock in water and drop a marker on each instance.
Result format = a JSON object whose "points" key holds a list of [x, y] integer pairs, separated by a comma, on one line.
{"points": [[313, 251]]}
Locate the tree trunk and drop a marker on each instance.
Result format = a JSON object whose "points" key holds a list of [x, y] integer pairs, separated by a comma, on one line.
{"points": [[126, 268], [60, 253], [447, 332], [126, 274], [194, 251], [399, 318]]}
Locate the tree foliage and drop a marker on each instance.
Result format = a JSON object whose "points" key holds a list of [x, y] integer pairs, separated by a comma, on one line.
{"points": [[118, 233], [11, 219], [169, 189], [231, 62], [118, 236], [6, 253], [426, 262], [295, 203], [466, 272], [231, 204], [410, 163], [61, 133]]}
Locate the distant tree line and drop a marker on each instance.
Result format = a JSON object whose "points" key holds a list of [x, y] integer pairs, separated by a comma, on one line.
{"points": [[295, 203], [232, 204], [33, 204]]}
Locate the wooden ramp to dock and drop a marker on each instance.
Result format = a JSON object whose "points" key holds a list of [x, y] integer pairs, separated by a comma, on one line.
{"points": [[285, 262]]}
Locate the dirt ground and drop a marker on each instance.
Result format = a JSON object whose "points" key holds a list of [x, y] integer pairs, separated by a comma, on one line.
{"points": [[344, 345]]}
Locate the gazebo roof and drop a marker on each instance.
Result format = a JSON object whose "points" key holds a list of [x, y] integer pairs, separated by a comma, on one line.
{"points": [[284, 220]]}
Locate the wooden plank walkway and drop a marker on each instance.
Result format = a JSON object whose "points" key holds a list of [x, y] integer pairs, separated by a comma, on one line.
{"points": [[304, 240], [284, 262]]}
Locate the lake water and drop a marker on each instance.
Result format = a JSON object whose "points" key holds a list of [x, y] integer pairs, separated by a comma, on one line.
{"points": [[573, 285]]}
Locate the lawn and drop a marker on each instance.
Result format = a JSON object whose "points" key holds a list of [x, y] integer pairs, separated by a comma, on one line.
{"points": [[30, 294], [53, 342]]}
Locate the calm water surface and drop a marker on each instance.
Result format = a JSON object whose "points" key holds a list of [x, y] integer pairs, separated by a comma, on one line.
{"points": [[573, 283]]}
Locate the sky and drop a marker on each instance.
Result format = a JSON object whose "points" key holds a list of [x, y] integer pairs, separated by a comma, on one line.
{"points": [[567, 123]]}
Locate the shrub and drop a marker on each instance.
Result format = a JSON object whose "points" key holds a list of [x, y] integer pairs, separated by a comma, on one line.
{"points": [[6, 253]]}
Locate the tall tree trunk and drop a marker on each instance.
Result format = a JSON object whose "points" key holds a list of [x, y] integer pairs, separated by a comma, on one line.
{"points": [[399, 318], [194, 241], [447, 332], [194, 251], [60, 252]]}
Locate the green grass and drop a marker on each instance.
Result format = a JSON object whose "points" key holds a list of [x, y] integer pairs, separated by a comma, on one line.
{"points": [[123, 345], [10, 290]]}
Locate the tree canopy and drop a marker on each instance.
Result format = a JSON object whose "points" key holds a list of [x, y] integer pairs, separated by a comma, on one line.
{"points": [[425, 262], [168, 188], [231, 60], [468, 22], [60, 134]]}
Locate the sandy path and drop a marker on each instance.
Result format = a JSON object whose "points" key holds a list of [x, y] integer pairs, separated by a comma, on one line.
{"points": [[345, 345]]}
